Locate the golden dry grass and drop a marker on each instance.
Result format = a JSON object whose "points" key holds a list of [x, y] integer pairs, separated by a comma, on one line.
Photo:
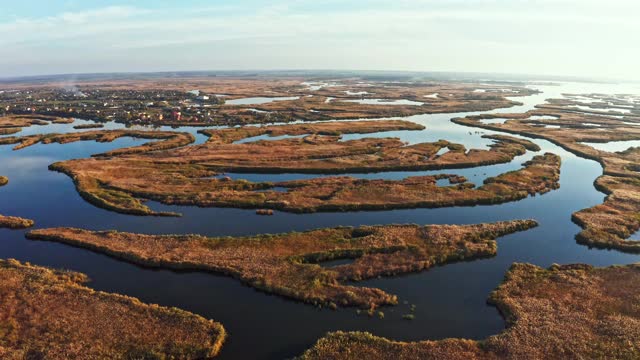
{"points": [[334, 104], [322, 151], [12, 123], [564, 312], [89, 126], [169, 139], [20, 121], [333, 128], [185, 175], [311, 105], [9, 131], [286, 264], [47, 314], [14, 222], [610, 224], [117, 184]]}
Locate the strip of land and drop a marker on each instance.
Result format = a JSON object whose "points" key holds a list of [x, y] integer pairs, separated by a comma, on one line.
{"points": [[322, 150], [9, 131], [26, 120], [287, 264], [48, 314], [336, 105], [89, 126], [331, 128], [564, 312], [169, 139], [117, 185], [207, 101], [13, 123], [191, 175], [14, 222], [607, 225]]}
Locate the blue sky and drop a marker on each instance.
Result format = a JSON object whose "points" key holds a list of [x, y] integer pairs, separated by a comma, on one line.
{"points": [[557, 37]]}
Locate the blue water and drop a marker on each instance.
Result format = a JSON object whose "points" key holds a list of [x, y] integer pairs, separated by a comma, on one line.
{"points": [[614, 146], [450, 300]]}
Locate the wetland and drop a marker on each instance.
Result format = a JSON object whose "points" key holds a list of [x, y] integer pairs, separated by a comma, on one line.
{"points": [[274, 327]]}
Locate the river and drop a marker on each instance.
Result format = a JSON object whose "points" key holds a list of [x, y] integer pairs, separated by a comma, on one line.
{"points": [[450, 301]]}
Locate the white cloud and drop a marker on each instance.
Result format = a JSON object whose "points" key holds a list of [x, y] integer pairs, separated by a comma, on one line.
{"points": [[545, 36]]}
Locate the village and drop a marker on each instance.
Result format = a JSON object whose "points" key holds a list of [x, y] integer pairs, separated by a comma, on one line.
{"points": [[144, 107]]}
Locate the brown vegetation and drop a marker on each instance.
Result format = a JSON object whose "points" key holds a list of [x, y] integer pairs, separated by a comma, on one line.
{"points": [[271, 86], [116, 185], [20, 121], [89, 126], [9, 131], [11, 124], [596, 104], [570, 135], [170, 140], [13, 222], [186, 175], [332, 102], [322, 151], [336, 105], [330, 128], [286, 264], [47, 314], [62, 120], [607, 225], [564, 312]]}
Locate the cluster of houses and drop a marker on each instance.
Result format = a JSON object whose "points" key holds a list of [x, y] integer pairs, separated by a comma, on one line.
{"points": [[132, 106]]}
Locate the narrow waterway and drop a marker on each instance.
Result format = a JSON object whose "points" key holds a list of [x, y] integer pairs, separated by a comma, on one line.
{"points": [[450, 301]]}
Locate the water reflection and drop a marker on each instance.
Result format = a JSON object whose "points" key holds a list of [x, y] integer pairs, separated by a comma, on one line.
{"points": [[450, 301], [614, 146]]}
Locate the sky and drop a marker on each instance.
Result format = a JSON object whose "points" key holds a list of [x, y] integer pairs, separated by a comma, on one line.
{"points": [[586, 38]]}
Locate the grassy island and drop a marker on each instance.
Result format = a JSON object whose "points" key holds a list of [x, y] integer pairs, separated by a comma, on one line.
{"points": [[169, 140], [89, 126], [49, 314], [191, 175], [14, 222], [9, 131], [117, 185], [319, 148], [331, 128], [26, 120], [607, 225], [564, 312], [13, 123], [172, 101], [289, 264]]}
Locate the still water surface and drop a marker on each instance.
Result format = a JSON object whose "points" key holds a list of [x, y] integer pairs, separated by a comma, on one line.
{"points": [[450, 300]]}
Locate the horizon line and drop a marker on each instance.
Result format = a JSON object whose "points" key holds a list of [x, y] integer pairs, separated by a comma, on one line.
{"points": [[504, 76]]}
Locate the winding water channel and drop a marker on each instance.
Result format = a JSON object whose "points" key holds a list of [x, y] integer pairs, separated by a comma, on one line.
{"points": [[450, 301]]}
